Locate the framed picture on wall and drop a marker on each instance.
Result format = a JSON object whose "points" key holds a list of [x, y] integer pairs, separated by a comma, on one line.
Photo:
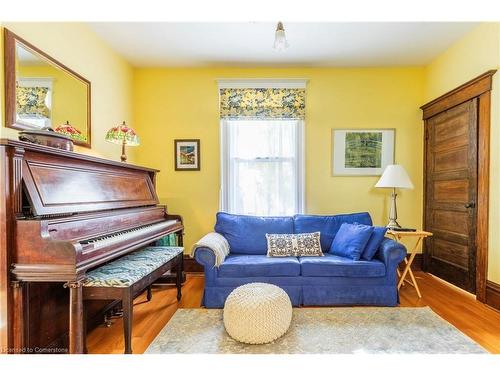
{"points": [[187, 154], [362, 152]]}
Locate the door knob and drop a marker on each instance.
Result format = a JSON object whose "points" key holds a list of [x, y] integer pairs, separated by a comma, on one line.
{"points": [[470, 205]]}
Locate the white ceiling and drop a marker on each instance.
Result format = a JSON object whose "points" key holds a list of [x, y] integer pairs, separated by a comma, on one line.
{"points": [[311, 44]]}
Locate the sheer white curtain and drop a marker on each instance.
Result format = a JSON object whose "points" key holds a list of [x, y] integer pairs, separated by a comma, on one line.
{"points": [[262, 166]]}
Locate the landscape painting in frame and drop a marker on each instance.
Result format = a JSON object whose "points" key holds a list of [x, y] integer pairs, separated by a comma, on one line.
{"points": [[362, 152], [187, 154]]}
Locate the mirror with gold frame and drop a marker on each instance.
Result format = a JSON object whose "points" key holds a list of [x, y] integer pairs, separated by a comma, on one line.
{"points": [[40, 92]]}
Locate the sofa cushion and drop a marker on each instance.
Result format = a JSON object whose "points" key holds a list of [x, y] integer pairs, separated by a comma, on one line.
{"points": [[334, 265], [247, 234], [328, 226], [373, 243], [258, 266], [351, 239]]}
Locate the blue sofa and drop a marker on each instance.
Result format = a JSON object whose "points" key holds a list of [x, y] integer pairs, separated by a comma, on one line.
{"points": [[310, 281]]}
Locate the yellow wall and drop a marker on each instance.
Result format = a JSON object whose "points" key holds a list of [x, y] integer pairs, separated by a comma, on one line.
{"points": [[79, 48], [183, 103], [69, 95], [476, 53]]}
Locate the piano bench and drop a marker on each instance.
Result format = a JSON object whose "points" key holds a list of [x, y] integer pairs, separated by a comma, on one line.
{"points": [[126, 277]]}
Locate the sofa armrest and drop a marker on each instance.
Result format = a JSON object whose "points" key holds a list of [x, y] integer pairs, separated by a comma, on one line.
{"points": [[214, 242], [205, 257], [391, 253]]}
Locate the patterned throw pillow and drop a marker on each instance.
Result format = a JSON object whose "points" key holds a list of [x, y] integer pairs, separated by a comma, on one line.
{"points": [[294, 245]]}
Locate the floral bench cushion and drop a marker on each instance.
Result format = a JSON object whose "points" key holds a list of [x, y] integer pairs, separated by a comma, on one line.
{"points": [[129, 269]]}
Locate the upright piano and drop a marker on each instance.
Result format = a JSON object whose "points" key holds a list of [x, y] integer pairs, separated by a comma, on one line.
{"points": [[62, 214]]}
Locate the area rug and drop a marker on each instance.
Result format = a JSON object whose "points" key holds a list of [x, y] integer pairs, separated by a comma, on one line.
{"points": [[322, 331]]}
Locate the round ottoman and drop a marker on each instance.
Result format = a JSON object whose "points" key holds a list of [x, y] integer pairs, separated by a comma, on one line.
{"points": [[257, 313]]}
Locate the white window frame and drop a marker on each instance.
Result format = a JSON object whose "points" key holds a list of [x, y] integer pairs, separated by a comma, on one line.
{"points": [[225, 168], [258, 83], [224, 139]]}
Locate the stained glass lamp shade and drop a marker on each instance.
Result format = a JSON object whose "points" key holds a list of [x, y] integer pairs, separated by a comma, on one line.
{"points": [[123, 135], [71, 132]]}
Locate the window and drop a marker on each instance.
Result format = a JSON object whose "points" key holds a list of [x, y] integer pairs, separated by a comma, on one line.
{"points": [[34, 101], [262, 157], [262, 166]]}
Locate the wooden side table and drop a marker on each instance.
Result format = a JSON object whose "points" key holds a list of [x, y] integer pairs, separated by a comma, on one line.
{"points": [[419, 235]]}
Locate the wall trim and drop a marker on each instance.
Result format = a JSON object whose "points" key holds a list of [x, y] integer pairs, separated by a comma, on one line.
{"points": [[36, 82], [470, 89], [416, 264], [493, 294], [191, 265], [260, 83]]}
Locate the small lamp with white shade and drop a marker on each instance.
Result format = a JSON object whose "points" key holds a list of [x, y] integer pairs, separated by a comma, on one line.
{"points": [[394, 176]]}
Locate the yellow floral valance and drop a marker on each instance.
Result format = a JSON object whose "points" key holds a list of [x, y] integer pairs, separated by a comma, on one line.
{"points": [[263, 103], [31, 101]]}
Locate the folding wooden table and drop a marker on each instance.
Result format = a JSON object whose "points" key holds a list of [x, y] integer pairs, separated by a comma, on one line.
{"points": [[398, 236]]}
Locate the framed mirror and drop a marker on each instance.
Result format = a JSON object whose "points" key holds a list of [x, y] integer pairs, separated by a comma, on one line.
{"points": [[41, 92]]}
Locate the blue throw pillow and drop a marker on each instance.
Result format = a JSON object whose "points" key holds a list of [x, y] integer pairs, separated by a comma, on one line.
{"points": [[374, 242], [350, 240], [328, 226]]}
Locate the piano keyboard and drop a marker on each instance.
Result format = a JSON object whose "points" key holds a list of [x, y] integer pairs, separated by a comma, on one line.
{"points": [[125, 235]]}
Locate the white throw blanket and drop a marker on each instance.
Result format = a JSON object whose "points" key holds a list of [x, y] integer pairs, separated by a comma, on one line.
{"points": [[215, 242]]}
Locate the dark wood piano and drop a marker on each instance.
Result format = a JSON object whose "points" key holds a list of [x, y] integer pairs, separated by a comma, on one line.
{"points": [[61, 214]]}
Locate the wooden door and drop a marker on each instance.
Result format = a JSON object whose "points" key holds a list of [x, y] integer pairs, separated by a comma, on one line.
{"points": [[451, 194]]}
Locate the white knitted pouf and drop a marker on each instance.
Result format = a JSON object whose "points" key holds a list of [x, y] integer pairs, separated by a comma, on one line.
{"points": [[257, 313]]}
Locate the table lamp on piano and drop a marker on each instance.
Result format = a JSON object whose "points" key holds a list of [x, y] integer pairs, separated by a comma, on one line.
{"points": [[123, 135], [394, 176]]}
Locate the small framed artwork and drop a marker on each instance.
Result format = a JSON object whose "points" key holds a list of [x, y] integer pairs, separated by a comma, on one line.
{"points": [[362, 152], [187, 154]]}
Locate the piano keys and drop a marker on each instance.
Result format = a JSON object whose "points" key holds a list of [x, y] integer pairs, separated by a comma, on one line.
{"points": [[65, 213]]}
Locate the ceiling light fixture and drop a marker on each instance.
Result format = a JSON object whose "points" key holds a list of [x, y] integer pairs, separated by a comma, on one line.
{"points": [[280, 42]]}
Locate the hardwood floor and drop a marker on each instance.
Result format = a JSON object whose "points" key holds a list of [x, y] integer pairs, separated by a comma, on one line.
{"points": [[476, 320], [149, 318]]}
